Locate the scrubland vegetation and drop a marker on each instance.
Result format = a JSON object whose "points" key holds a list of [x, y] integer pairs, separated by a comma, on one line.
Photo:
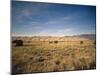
{"points": [[53, 54]]}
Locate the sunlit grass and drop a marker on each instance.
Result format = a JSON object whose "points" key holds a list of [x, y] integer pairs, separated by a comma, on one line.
{"points": [[43, 56]]}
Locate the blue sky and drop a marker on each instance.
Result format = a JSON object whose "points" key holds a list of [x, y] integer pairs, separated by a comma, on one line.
{"points": [[46, 19]]}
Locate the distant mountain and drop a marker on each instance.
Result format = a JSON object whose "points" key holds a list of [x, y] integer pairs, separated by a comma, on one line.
{"points": [[87, 36]]}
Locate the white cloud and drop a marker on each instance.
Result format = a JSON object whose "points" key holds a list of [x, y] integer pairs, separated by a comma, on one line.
{"points": [[26, 12], [65, 30]]}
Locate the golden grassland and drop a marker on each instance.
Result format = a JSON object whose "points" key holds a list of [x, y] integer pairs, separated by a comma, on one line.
{"points": [[46, 55]]}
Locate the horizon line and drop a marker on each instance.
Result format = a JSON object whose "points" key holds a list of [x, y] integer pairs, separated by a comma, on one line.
{"points": [[52, 35]]}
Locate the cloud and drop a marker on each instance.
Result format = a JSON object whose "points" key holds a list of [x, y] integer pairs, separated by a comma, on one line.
{"points": [[65, 30], [54, 32], [67, 18], [58, 20], [26, 12]]}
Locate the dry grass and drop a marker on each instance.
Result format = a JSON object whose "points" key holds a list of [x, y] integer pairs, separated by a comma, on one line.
{"points": [[47, 56]]}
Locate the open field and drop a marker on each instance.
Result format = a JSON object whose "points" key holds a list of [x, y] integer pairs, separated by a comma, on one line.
{"points": [[50, 54]]}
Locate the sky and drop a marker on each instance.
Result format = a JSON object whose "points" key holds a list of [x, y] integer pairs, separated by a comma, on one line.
{"points": [[51, 19]]}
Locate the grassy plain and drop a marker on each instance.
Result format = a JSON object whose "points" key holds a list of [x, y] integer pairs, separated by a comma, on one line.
{"points": [[50, 54]]}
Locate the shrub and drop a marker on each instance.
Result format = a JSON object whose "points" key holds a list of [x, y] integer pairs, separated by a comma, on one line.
{"points": [[14, 41], [57, 62], [55, 41], [81, 42], [50, 41], [18, 42], [28, 41]]}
